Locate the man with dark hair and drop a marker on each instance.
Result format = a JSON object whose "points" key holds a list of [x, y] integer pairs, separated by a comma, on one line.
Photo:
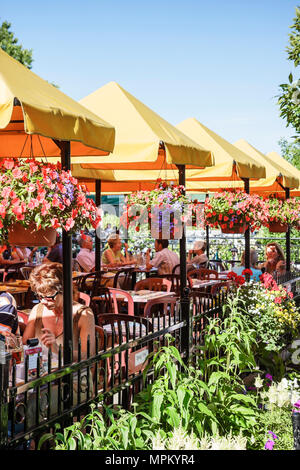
{"points": [[55, 253], [164, 260]]}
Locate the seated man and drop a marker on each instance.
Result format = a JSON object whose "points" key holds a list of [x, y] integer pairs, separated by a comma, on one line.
{"points": [[86, 255], [55, 253], [165, 260], [197, 255]]}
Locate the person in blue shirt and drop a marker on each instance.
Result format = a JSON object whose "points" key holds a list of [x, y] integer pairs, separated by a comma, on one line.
{"points": [[253, 262]]}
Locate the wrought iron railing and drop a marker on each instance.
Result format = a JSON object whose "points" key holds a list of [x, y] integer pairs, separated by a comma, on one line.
{"points": [[30, 408]]}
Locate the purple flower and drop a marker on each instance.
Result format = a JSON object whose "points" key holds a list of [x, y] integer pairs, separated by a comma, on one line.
{"points": [[273, 435], [296, 408], [268, 376], [269, 444]]}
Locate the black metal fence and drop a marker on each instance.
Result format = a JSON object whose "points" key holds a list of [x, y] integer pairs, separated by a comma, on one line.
{"points": [[30, 407]]}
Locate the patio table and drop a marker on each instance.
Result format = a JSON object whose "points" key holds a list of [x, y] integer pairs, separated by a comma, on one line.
{"points": [[17, 289], [203, 284], [145, 297]]}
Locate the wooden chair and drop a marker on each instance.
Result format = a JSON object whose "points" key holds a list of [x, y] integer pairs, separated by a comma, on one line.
{"points": [[90, 283], [122, 328], [154, 284], [102, 303], [175, 280], [202, 275], [163, 306], [25, 271], [176, 269], [123, 279]]}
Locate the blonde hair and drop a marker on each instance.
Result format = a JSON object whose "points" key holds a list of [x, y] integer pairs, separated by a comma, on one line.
{"points": [[49, 277], [112, 240]]}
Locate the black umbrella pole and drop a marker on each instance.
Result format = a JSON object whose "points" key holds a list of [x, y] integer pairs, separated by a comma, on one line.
{"points": [[184, 291], [247, 232], [288, 238], [97, 238], [67, 273]]}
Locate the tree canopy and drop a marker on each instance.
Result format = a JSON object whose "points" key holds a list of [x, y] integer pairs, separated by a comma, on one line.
{"points": [[10, 44], [289, 99]]}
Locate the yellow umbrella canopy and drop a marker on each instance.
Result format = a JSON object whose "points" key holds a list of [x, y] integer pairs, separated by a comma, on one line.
{"points": [[274, 156], [33, 112], [144, 140], [277, 174], [230, 162]]}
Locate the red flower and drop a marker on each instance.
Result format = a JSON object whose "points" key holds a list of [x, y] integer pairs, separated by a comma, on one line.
{"points": [[231, 275], [240, 280], [247, 271]]}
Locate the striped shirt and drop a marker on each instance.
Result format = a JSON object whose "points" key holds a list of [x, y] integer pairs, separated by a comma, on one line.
{"points": [[8, 313], [165, 260]]}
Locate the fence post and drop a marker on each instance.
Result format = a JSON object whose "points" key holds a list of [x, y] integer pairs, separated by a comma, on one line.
{"points": [[186, 336], [4, 383], [296, 429]]}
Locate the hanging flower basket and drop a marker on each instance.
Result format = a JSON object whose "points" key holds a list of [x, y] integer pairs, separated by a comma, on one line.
{"points": [[19, 235], [234, 211], [161, 209], [281, 213], [277, 227], [41, 196], [235, 229]]}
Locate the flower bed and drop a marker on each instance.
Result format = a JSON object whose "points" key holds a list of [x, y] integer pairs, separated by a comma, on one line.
{"points": [[271, 308]]}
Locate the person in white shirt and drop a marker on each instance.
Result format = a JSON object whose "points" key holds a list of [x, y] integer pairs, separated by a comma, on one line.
{"points": [[86, 255], [197, 255], [164, 260]]}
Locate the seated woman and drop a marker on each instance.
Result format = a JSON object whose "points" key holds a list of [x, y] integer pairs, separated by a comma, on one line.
{"points": [[113, 256], [197, 255], [46, 318], [22, 252], [253, 263], [9, 256], [275, 260]]}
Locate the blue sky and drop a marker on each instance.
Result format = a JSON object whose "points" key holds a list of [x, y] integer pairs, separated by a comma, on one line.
{"points": [[218, 61]]}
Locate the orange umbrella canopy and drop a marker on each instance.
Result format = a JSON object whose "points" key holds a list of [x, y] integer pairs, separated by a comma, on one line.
{"points": [[33, 113]]}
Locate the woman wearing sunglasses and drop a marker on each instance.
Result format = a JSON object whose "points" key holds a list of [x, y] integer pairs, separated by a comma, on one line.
{"points": [[46, 318]]}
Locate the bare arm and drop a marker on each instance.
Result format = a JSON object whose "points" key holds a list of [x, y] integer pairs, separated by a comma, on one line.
{"points": [[86, 325], [29, 331]]}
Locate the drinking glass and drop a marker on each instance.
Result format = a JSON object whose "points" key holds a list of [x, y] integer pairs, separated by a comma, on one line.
{"points": [[15, 346]]}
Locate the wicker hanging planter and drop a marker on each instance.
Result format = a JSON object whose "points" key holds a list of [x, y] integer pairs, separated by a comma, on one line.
{"points": [[18, 235], [236, 229], [278, 227]]}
